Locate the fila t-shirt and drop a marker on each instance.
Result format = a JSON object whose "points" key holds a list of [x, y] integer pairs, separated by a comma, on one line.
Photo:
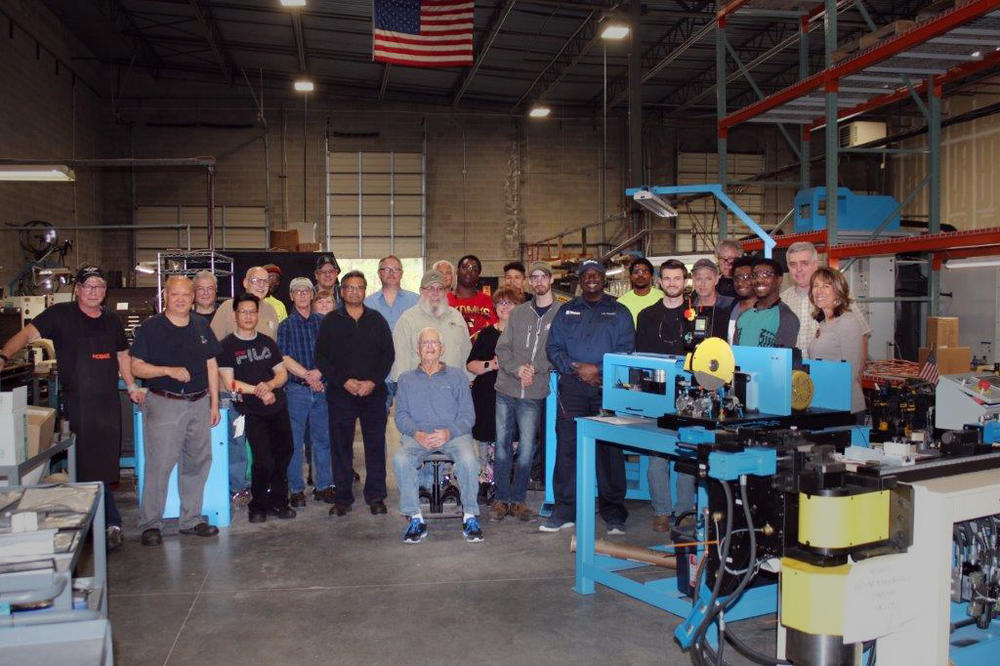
{"points": [[253, 361]]}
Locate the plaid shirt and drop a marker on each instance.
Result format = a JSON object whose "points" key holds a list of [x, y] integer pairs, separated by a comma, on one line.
{"points": [[803, 309], [297, 338]]}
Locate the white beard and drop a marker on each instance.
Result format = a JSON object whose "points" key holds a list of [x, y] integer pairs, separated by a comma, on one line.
{"points": [[436, 311]]}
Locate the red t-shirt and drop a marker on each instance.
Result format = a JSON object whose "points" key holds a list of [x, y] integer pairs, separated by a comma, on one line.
{"points": [[477, 311]]}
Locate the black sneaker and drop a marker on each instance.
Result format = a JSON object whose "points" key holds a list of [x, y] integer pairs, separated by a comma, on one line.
{"points": [[285, 512], [415, 532], [201, 529]]}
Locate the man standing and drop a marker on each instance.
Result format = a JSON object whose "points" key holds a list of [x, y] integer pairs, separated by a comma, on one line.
{"points": [[306, 395], [643, 293], [447, 271], [434, 413], [273, 282], [355, 353], [92, 350], [663, 329], [769, 323], [255, 282], [250, 364], [327, 272], [391, 301], [176, 353], [475, 306], [743, 283], [726, 253], [206, 288], [432, 310], [583, 331], [522, 386], [514, 277], [711, 309]]}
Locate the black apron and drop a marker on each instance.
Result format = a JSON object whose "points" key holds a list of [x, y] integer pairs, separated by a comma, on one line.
{"points": [[93, 407]]}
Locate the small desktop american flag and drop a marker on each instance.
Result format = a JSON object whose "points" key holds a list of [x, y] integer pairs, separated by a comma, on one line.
{"points": [[929, 371], [423, 33]]}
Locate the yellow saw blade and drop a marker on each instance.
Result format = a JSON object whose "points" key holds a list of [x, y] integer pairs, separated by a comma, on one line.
{"points": [[713, 364]]}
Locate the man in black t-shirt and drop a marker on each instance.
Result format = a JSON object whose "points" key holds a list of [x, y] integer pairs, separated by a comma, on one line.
{"points": [[668, 327], [250, 365], [175, 352], [92, 351]]}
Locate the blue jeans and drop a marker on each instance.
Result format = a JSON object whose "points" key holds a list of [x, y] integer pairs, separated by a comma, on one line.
{"points": [[411, 455], [307, 407], [658, 476], [237, 451], [514, 414]]}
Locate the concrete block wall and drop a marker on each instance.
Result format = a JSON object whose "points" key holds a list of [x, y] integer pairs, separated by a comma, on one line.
{"points": [[51, 109]]}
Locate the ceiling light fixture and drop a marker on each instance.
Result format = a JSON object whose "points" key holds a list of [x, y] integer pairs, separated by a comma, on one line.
{"points": [[539, 112], [59, 173], [654, 204], [293, 3], [304, 85], [975, 262], [615, 31]]}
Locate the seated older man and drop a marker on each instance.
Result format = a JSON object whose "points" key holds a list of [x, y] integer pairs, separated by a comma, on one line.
{"points": [[434, 413]]}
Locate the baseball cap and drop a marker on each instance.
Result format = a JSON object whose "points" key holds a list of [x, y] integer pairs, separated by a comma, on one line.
{"points": [[591, 265], [430, 277], [705, 263], [540, 266], [300, 284], [272, 268], [325, 259], [87, 272]]}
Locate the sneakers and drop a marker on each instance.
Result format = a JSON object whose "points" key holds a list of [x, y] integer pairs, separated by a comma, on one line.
{"points": [[241, 497], [285, 512], [327, 495], [297, 500], [498, 510], [521, 511], [415, 532], [554, 524], [616, 529], [113, 537], [473, 533]]}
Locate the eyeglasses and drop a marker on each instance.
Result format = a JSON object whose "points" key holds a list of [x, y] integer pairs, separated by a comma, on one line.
{"points": [[205, 290], [763, 275], [351, 287], [435, 288], [389, 270], [537, 277], [429, 343], [505, 302], [743, 278], [328, 271], [727, 260], [257, 281], [93, 287]]}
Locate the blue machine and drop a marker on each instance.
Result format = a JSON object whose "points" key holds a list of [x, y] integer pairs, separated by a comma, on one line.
{"points": [[855, 212], [216, 502]]}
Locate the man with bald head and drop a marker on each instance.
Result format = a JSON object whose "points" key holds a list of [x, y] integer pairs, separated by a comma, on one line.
{"points": [[255, 282], [175, 353], [434, 413]]}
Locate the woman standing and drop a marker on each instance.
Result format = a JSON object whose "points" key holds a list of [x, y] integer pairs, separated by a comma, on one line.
{"points": [[839, 338], [482, 363]]}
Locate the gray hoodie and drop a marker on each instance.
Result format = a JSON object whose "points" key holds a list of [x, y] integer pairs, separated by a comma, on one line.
{"points": [[523, 341]]}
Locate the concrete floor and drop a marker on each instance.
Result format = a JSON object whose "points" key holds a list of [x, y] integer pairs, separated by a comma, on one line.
{"points": [[348, 591]]}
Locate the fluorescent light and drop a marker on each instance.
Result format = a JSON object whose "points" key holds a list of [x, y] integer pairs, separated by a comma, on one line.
{"points": [[539, 112], [40, 172], [293, 3], [654, 204], [145, 268], [304, 85], [975, 262], [978, 55], [615, 31]]}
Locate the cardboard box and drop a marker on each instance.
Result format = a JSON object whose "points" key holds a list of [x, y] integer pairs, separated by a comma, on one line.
{"points": [[950, 360], [942, 332], [308, 247], [14, 437], [41, 429], [12, 401], [286, 239]]}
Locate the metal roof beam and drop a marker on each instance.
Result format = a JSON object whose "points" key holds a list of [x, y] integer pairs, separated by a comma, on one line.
{"points": [[384, 83], [225, 59], [500, 15], [123, 22], [300, 41]]}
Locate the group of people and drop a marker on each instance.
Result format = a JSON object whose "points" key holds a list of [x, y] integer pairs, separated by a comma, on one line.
{"points": [[462, 367]]}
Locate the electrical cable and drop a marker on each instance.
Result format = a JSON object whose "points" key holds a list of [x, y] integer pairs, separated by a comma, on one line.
{"points": [[702, 629]]}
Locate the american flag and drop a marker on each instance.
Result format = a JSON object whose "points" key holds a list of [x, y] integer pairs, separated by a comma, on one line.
{"points": [[929, 370], [423, 33]]}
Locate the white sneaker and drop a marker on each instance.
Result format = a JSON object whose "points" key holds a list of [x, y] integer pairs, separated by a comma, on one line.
{"points": [[554, 525]]}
